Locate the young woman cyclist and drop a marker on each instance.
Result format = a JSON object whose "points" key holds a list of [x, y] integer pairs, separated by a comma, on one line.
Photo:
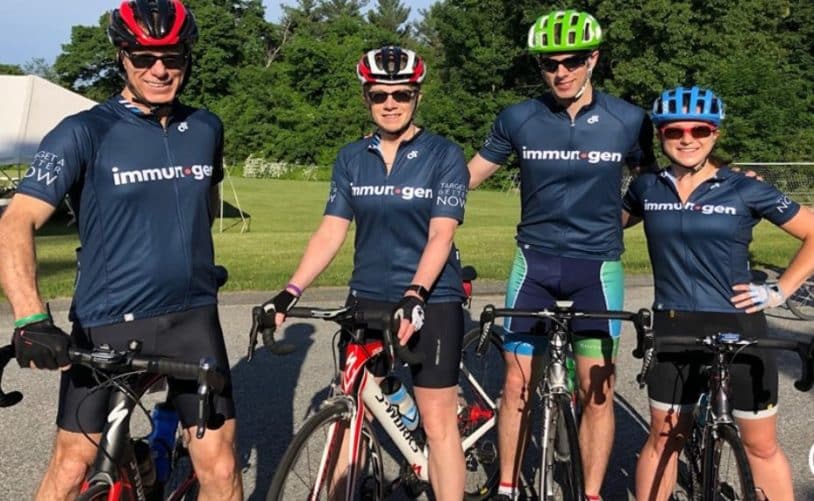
{"points": [[406, 189], [698, 219]]}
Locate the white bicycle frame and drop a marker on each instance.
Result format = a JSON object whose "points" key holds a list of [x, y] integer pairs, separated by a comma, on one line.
{"points": [[388, 416]]}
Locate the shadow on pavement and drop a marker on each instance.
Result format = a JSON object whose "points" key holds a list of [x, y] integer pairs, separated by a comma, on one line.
{"points": [[264, 393]]}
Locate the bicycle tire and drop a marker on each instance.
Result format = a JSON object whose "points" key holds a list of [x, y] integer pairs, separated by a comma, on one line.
{"points": [[726, 477], [482, 466], [96, 492], [560, 474], [690, 473], [801, 303], [289, 482]]}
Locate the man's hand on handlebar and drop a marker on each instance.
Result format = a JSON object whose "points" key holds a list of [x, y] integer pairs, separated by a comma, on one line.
{"points": [[41, 345]]}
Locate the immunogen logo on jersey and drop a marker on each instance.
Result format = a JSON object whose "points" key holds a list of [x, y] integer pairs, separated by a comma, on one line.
{"points": [[592, 157], [197, 172], [405, 192], [705, 209]]}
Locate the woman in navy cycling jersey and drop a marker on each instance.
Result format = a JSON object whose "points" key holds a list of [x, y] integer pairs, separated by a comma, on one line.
{"points": [[698, 219], [406, 189]]}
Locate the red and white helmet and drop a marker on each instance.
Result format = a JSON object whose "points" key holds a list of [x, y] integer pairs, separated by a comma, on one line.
{"points": [[391, 65]]}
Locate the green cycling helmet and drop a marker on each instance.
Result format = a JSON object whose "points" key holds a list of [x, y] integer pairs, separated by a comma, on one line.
{"points": [[564, 31]]}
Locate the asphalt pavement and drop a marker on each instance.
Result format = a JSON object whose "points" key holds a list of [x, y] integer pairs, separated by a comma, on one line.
{"points": [[275, 394]]}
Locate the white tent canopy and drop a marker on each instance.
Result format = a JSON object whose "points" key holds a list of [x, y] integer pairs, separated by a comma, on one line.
{"points": [[30, 107]]}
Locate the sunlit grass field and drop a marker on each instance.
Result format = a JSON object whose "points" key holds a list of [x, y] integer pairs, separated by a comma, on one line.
{"points": [[285, 213]]}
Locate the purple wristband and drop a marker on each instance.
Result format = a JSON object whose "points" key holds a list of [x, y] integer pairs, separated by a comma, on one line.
{"points": [[294, 288]]}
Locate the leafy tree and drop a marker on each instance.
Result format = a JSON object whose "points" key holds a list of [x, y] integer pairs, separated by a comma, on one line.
{"points": [[11, 69], [391, 15], [40, 67], [88, 62]]}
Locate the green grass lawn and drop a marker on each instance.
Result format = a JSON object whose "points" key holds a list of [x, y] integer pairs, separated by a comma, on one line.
{"points": [[285, 213]]}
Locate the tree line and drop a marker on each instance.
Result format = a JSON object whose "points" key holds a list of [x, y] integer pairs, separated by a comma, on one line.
{"points": [[287, 90]]}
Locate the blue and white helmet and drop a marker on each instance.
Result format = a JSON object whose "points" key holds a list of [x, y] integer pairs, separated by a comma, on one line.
{"points": [[692, 103]]}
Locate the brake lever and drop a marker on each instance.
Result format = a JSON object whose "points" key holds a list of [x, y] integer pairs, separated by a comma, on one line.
{"points": [[12, 397], [204, 367]]}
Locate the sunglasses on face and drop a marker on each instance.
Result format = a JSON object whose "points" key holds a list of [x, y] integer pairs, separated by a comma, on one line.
{"points": [[400, 96], [144, 61], [697, 132], [571, 63]]}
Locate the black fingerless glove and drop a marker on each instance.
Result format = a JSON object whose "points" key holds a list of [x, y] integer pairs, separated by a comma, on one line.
{"points": [[410, 308], [42, 343], [281, 303]]}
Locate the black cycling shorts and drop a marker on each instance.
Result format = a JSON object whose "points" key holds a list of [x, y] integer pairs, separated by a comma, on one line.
{"points": [[675, 380], [440, 340], [185, 336]]}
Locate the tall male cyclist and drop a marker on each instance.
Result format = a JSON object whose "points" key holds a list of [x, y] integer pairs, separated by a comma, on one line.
{"points": [[572, 144], [141, 170]]}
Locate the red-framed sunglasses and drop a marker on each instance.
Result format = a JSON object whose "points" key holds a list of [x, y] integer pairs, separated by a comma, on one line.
{"points": [[697, 131]]}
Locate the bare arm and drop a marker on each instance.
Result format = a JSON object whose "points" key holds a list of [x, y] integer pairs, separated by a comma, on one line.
{"points": [[436, 252], [18, 267], [321, 250], [479, 170], [801, 266]]}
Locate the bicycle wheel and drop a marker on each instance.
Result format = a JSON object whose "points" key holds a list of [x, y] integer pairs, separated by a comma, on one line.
{"points": [[96, 492], [689, 469], [560, 475], [727, 475], [801, 303], [317, 445], [480, 382]]}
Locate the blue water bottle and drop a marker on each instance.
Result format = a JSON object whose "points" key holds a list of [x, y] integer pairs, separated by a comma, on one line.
{"points": [[162, 439], [397, 394]]}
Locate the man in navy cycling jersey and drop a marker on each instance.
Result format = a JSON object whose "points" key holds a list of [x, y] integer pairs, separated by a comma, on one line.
{"points": [[141, 170], [572, 144], [698, 219], [406, 188]]}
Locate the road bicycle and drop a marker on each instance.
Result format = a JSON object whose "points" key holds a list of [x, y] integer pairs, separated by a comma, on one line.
{"points": [[717, 466], [116, 474], [336, 453], [560, 474]]}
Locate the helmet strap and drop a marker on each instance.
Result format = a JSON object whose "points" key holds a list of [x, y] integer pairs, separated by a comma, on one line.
{"points": [[584, 85]]}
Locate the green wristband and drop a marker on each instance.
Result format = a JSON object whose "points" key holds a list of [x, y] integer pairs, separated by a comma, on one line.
{"points": [[30, 319]]}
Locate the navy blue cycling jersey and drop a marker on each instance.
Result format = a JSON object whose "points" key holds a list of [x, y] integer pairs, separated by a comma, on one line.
{"points": [[699, 248], [428, 179], [141, 197], [571, 171]]}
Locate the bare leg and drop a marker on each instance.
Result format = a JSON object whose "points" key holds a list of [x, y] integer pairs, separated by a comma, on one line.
{"points": [[596, 378], [439, 413], [770, 467], [657, 468], [522, 375], [215, 463], [73, 454]]}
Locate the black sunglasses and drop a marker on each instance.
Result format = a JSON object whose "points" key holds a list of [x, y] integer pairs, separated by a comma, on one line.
{"points": [[571, 63], [400, 96], [145, 60]]}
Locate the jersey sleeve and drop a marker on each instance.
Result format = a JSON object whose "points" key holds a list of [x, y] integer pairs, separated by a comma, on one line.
{"points": [[632, 202], [641, 156], [59, 162], [339, 198], [764, 200], [217, 165], [498, 145], [451, 186]]}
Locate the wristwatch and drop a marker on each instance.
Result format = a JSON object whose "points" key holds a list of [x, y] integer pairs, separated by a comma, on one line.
{"points": [[422, 291]]}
